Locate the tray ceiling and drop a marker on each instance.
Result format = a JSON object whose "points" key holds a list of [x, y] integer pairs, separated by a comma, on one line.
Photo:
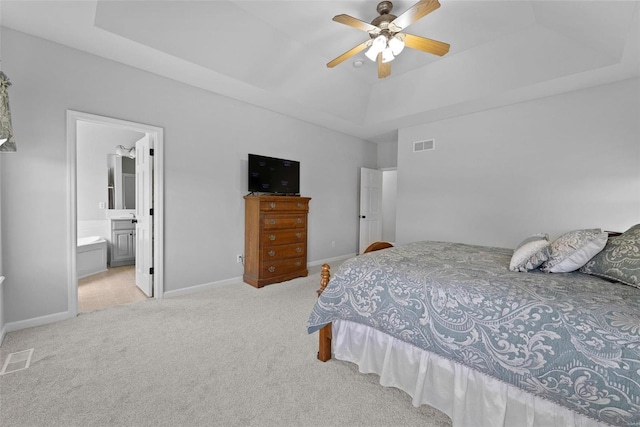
{"points": [[273, 53]]}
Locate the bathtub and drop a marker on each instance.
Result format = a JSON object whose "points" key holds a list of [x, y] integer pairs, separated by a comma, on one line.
{"points": [[91, 256]]}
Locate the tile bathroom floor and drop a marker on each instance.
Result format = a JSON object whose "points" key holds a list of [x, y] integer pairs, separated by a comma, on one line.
{"points": [[112, 287]]}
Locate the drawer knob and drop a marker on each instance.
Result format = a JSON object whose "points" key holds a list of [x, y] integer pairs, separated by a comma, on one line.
{"points": [[298, 235], [272, 237], [299, 220], [298, 249], [272, 269], [300, 205], [272, 253], [272, 221], [298, 264], [272, 205]]}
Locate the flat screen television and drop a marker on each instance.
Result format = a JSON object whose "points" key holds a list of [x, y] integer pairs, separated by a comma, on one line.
{"points": [[273, 175]]}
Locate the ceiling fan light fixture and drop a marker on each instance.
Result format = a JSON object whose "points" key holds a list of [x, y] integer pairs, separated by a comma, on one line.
{"points": [[396, 44], [386, 38], [378, 45], [371, 53], [387, 55]]}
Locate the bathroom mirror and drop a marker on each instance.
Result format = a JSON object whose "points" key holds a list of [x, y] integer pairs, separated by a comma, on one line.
{"points": [[121, 182]]}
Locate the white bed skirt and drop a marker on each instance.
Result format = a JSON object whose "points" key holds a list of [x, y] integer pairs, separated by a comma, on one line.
{"points": [[469, 397]]}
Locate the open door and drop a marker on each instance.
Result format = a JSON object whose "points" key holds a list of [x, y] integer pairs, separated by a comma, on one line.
{"points": [[370, 207], [144, 212]]}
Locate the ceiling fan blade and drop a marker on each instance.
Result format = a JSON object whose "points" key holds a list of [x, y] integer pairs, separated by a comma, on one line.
{"points": [[384, 68], [362, 46], [415, 12], [356, 23], [426, 45]]}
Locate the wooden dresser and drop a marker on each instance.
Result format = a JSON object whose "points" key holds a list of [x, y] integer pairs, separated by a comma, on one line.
{"points": [[275, 239]]}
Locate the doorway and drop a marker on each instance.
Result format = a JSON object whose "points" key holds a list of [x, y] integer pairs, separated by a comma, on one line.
{"points": [[100, 223], [377, 217]]}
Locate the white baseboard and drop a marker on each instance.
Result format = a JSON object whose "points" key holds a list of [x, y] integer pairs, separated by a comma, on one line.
{"points": [[37, 321], [51, 318], [330, 260], [235, 280], [198, 288]]}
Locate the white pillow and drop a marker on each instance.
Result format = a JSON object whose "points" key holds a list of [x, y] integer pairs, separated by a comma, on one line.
{"points": [[530, 253], [574, 249]]}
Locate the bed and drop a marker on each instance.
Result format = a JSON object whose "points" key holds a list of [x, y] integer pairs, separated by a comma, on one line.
{"points": [[452, 326]]}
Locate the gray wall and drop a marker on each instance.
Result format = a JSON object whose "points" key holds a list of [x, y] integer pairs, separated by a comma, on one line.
{"points": [[549, 165], [207, 139], [388, 155]]}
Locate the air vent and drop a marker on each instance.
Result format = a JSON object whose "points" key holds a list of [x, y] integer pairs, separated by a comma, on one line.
{"points": [[17, 361], [427, 145]]}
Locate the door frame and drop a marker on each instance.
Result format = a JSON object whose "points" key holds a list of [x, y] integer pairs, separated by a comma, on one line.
{"points": [[157, 134]]}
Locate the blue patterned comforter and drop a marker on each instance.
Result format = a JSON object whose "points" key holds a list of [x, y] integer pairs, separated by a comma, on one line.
{"points": [[570, 338]]}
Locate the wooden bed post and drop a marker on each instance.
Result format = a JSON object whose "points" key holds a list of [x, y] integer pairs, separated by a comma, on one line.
{"points": [[324, 347]]}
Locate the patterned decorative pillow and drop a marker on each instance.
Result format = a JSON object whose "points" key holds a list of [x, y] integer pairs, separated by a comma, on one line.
{"points": [[619, 260], [533, 251], [574, 249]]}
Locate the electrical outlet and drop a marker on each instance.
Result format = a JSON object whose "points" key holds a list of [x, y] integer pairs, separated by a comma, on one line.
{"points": [[238, 258], [333, 243]]}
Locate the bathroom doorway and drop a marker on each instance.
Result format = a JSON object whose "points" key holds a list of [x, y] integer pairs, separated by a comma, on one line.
{"points": [[106, 219]]}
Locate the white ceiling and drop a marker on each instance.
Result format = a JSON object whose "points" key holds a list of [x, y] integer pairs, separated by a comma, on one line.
{"points": [[274, 53]]}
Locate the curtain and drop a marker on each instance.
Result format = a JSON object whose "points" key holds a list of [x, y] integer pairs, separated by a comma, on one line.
{"points": [[6, 129]]}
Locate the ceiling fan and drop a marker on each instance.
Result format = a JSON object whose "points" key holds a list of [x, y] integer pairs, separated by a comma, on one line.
{"points": [[388, 37]]}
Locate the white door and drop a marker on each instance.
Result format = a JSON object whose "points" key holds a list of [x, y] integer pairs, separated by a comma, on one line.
{"points": [[370, 207], [144, 206]]}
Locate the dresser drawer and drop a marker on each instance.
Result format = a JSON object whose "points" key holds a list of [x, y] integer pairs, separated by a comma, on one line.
{"points": [[273, 222], [282, 267], [284, 205], [271, 253], [123, 224], [283, 237]]}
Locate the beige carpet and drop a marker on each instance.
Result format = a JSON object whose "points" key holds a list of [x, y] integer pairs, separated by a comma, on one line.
{"points": [[230, 356]]}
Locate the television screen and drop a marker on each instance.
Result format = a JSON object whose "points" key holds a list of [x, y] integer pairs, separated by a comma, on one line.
{"points": [[272, 175]]}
